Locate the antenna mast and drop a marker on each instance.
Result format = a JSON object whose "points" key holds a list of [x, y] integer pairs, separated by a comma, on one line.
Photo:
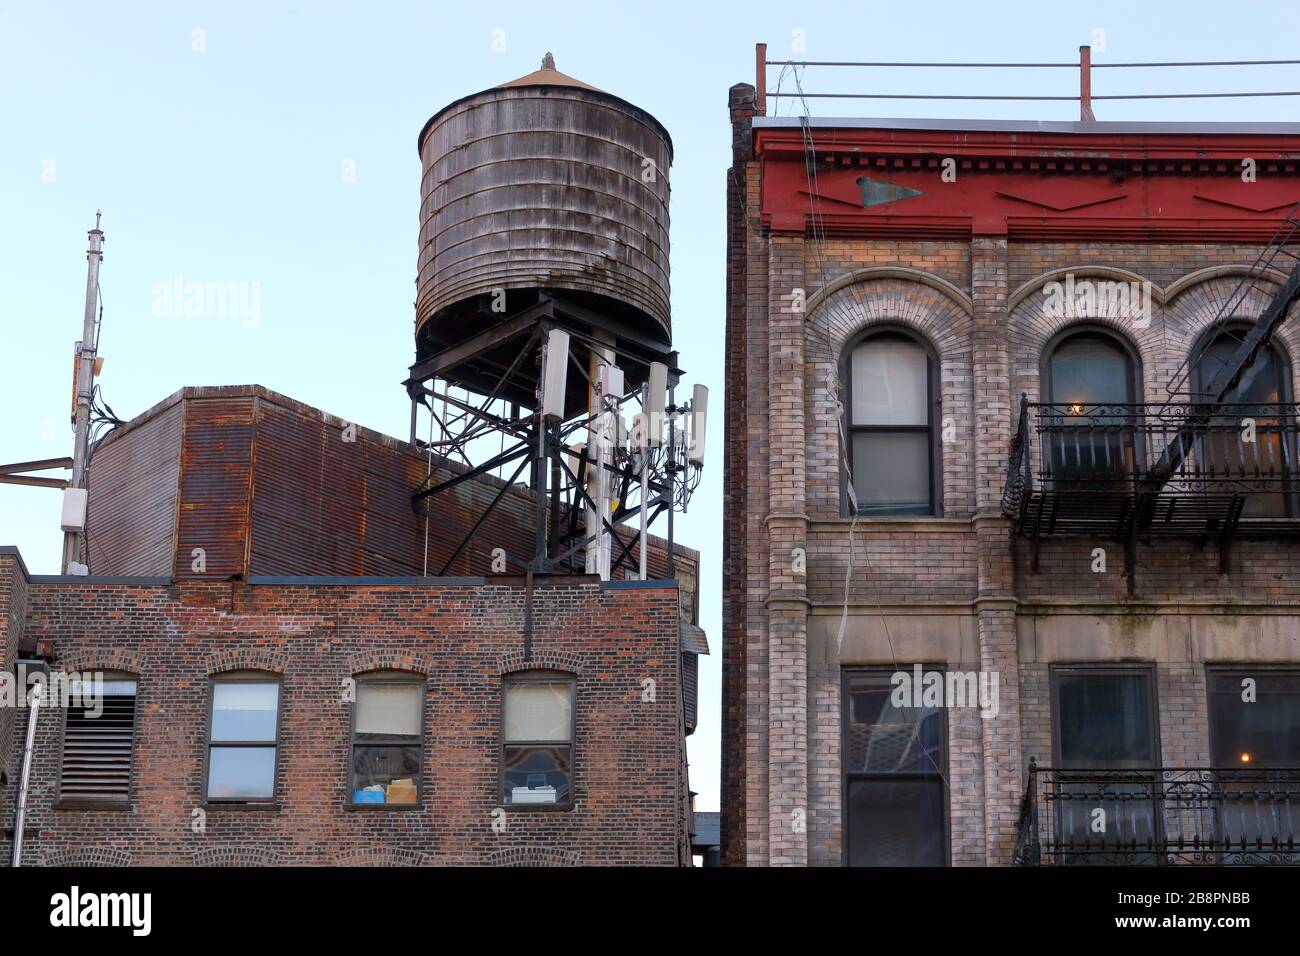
{"points": [[84, 385]]}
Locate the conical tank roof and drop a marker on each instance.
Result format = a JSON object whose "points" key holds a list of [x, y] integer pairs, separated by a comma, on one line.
{"points": [[548, 75]]}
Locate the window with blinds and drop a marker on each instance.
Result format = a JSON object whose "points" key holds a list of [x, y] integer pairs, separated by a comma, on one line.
{"points": [[97, 742]]}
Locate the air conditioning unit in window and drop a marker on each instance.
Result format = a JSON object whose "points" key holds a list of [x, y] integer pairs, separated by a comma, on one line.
{"points": [[537, 795]]}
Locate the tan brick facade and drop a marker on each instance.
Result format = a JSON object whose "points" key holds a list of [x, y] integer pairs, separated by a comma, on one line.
{"points": [[955, 589]]}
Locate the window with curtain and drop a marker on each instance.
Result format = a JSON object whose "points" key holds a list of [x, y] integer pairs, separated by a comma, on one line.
{"points": [[894, 760], [1259, 394], [890, 427], [242, 738], [387, 736], [537, 729], [1089, 436]]}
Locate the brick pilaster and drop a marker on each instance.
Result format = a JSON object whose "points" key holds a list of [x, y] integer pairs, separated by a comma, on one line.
{"points": [[787, 543], [991, 362], [735, 489]]}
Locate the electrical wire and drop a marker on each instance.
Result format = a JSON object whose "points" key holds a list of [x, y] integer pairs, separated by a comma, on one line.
{"points": [[832, 392], [1035, 66]]}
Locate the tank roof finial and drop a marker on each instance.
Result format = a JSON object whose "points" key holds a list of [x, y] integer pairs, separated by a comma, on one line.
{"points": [[548, 62]]}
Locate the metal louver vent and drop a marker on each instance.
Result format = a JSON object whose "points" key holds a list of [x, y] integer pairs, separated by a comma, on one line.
{"points": [[97, 750], [690, 689]]}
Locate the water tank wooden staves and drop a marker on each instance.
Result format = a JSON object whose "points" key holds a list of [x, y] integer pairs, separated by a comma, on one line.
{"points": [[543, 185]]}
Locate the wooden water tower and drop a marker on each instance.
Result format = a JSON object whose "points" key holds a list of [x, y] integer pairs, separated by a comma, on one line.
{"points": [[544, 210], [541, 198]]}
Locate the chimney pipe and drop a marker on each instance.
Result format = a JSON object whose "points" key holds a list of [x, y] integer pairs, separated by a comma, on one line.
{"points": [[1085, 85]]}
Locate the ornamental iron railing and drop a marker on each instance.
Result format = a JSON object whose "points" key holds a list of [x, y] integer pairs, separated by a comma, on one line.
{"points": [[1161, 815]]}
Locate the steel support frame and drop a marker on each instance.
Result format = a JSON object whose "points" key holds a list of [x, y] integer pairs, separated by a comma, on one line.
{"points": [[539, 446]]}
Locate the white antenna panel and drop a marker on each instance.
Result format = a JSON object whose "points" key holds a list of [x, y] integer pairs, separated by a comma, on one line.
{"points": [[555, 373]]}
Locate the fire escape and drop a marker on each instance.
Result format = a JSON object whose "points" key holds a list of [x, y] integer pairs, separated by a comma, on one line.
{"points": [[1187, 467], [1179, 469]]}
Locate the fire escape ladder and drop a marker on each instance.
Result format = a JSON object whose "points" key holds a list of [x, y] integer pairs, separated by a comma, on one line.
{"points": [[1211, 399]]}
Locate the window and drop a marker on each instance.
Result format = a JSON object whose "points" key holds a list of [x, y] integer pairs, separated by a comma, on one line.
{"points": [[1105, 718], [98, 734], [1255, 739], [537, 740], [894, 762], [890, 429], [1105, 738], [387, 732], [1271, 456], [244, 727], [1089, 378], [1262, 731]]}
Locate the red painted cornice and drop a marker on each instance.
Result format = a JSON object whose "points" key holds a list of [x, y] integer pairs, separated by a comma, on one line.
{"points": [[1132, 187]]}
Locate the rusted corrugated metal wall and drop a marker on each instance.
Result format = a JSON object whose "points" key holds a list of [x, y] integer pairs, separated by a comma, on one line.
{"points": [[269, 486], [216, 464], [132, 500]]}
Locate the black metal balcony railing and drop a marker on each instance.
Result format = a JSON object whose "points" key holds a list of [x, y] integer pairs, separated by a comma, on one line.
{"points": [[1159, 816], [1129, 471]]}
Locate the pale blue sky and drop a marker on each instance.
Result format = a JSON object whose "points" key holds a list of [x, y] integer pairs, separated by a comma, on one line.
{"points": [[228, 166]]}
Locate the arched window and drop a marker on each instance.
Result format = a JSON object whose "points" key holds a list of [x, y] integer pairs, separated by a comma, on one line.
{"points": [[1090, 367], [1261, 395], [890, 385], [1090, 383]]}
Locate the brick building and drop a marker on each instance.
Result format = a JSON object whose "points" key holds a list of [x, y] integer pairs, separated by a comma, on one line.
{"points": [[894, 288], [295, 640], [310, 616]]}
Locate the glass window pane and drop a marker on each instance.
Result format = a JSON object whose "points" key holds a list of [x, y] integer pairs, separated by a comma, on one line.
{"points": [[896, 822], [389, 709], [890, 378], [537, 710], [244, 710], [241, 773], [536, 775], [1104, 721], [1263, 733], [1260, 384], [1089, 369], [109, 686], [385, 774], [880, 737], [891, 473], [1223, 453]]}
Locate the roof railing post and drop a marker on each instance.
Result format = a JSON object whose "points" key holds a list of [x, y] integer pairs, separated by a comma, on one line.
{"points": [[1085, 85], [760, 78]]}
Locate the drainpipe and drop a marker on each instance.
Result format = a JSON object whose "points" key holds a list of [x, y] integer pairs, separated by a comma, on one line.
{"points": [[34, 703]]}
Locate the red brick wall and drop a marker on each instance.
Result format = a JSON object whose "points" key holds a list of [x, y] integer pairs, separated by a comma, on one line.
{"points": [[628, 757], [13, 606], [735, 488]]}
